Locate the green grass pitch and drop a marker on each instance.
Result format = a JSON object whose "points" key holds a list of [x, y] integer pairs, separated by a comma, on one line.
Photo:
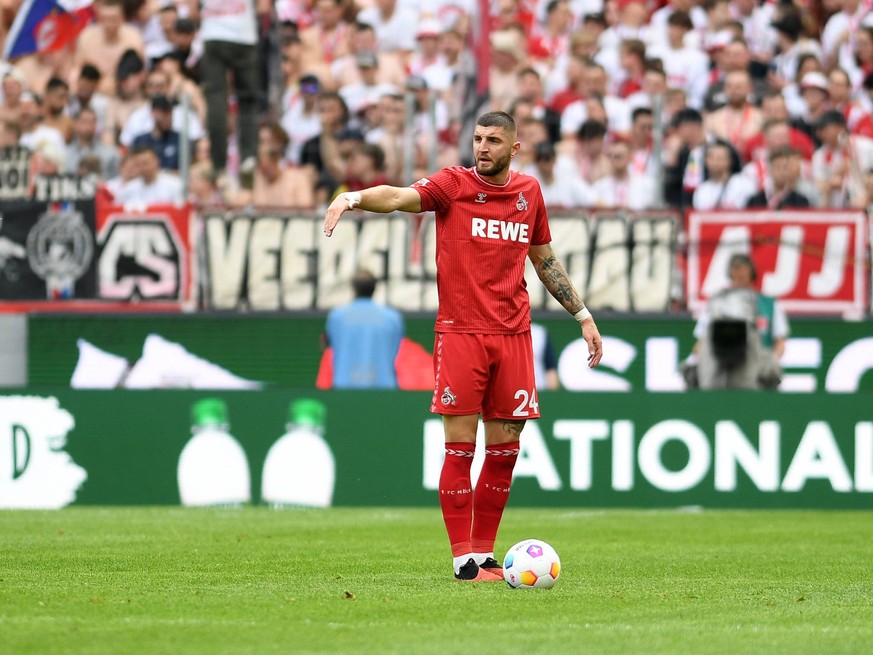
{"points": [[173, 580]]}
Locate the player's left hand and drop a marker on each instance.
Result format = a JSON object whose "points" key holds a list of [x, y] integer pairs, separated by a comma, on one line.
{"points": [[595, 344]]}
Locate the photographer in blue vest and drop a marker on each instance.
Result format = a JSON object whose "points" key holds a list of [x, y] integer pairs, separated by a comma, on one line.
{"points": [[740, 336]]}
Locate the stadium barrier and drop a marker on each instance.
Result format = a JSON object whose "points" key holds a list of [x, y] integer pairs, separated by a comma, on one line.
{"points": [[283, 351], [637, 449]]}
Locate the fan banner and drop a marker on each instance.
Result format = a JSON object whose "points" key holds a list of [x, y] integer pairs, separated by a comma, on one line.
{"points": [[146, 256], [813, 262], [279, 261], [47, 251], [84, 255]]}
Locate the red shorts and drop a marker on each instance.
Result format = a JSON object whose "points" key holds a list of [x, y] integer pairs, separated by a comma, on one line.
{"points": [[488, 374]]}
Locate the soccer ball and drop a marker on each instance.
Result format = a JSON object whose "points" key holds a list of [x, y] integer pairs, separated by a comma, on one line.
{"points": [[531, 563]]}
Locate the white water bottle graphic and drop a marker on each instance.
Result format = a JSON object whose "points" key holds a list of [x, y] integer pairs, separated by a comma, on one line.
{"points": [[300, 468], [213, 469]]}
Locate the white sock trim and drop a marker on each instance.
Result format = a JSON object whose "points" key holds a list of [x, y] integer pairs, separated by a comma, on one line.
{"points": [[458, 562], [481, 557]]}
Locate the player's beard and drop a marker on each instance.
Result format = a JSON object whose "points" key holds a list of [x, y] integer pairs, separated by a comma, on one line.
{"points": [[496, 167]]}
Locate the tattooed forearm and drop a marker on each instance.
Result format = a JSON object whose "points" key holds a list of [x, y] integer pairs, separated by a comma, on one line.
{"points": [[555, 279], [513, 427]]}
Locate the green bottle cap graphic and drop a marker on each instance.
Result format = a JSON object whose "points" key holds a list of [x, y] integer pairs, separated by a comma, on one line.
{"points": [[209, 411], [307, 412]]}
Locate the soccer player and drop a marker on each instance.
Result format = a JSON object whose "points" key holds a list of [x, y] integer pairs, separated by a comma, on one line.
{"points": [[489, 219]]}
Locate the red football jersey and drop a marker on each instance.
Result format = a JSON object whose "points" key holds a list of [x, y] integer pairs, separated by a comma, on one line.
{"points": [[483, 234]]}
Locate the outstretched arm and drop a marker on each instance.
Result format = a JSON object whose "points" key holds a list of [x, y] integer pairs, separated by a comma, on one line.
{"points": [[382, 199], [555, 279]]}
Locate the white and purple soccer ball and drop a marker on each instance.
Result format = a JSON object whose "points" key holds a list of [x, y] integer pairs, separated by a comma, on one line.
{"points": [[531, 564]]}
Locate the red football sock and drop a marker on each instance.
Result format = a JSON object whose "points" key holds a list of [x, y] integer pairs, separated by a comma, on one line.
{"points": [[492, 492], [456, 495]]}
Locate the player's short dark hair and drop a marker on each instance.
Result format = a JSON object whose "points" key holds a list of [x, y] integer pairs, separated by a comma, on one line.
{"points": [[364, 283], [497, 119]]}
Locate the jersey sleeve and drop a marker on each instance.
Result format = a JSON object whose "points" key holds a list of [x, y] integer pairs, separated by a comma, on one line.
{"points": [[437, 191]]}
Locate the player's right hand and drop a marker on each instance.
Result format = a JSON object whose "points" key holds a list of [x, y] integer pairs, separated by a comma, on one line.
{"points": [[334, 211]]}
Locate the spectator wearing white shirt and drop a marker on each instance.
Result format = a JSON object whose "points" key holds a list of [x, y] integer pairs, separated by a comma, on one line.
{"points": [[35, 134], [640, 139], [686, 68], [841, 29], [300, 119], [141, 120], [622, 189], [395, 25], [859, 62], [585, 153], [791, 44], [427, 61], [85, 142], [595, 83], [85, 95], [724, 187], [654, 84], [151, 186], [815, 92], [757, 31], [631, 23], [344, 69], [360, 95], [660, 21], [839, 165], [560, 186]]}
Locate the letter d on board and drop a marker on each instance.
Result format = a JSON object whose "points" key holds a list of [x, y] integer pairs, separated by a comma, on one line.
{"points": [[20, 461]]}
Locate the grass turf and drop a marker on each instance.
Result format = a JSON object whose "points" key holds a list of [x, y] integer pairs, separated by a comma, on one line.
{"points": [[172, 580]]}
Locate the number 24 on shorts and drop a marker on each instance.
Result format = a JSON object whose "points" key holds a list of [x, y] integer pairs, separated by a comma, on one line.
{"points": [[528, 401]]}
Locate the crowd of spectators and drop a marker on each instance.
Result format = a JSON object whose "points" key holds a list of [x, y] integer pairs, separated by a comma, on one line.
{"points": [[759, 104]]}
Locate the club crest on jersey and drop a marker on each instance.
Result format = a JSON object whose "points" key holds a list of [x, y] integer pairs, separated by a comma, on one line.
{"points": [[521, 205], [481, 197], [448, 398]]}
